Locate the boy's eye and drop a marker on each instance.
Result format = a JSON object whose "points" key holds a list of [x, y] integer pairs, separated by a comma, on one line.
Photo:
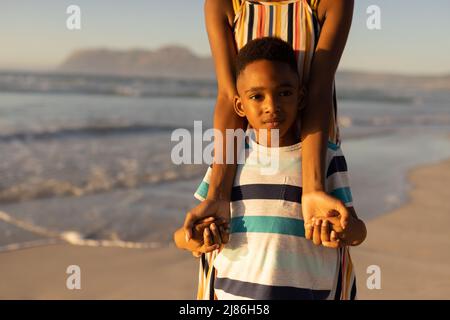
{"points": [[285, 93], [255, 97]]}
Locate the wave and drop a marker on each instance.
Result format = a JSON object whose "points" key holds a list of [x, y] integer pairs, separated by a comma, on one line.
{"points": [[57, 83], [97, 182], [105, 85], [117, 129], [393, 121], [87, 130], [372, 95], [68, 237]]}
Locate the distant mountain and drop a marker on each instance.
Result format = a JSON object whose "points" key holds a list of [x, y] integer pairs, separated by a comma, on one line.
{"points": [[389, 87], [169, 61], [181, 63], [356, 79]]}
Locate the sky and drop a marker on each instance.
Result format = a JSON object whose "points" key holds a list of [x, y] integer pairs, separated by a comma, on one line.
{"points": [[413, 39]]}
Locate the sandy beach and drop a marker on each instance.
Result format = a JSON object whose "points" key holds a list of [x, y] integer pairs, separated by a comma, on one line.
{"points": [[106, 273], [410, 245]]}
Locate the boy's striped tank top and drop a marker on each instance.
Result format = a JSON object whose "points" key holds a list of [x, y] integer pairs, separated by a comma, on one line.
{"points": [[260, 196], [296, 22], [267, 256]]}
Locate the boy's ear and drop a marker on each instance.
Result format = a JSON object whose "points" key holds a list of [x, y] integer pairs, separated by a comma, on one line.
{"points": [[238, 106]]}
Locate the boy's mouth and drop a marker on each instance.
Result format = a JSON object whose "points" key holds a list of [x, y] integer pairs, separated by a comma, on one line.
{"points": [[273, 122]]}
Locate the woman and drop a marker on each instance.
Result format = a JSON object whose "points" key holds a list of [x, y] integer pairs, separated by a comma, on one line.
{"points": [[318, 32]]}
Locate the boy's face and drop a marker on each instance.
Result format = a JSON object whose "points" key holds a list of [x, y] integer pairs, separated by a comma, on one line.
{"points": [[269, 97]]}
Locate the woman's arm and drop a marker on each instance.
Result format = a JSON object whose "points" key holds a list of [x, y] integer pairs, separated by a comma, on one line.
{"points": [[336, 18], [218, 16]]}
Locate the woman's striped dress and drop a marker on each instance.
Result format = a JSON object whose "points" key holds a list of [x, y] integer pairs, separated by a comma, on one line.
{"points": [[294, 21]]}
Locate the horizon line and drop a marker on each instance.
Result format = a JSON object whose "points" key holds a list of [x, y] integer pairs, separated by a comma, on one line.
{"points": [[54, 70]]}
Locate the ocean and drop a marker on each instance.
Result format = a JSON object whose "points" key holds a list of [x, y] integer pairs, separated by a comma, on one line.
{"points": [[91, 158]]}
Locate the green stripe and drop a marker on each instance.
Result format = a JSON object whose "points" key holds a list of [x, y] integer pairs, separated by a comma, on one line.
{"points": [[268, 224], [202, 189], [344, 194]]}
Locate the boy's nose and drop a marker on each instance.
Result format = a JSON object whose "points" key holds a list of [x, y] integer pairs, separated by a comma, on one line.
{"points": [[271, 105]]}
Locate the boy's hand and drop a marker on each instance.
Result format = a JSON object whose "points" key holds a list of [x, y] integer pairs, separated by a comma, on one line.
{"points": [[207, 208], [209, 234]]}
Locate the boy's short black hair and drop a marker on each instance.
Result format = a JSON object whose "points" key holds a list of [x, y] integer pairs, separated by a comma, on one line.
{"points": [[267, 48]]}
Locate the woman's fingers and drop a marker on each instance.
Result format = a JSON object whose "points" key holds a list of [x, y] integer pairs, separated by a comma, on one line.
{"points": [[333, 236], [206, 208], [332, 244], [332, 213], [208, 246], [325, 231], [220, 221], [206, 249], [206, 220], [309, 227], [316, 231], [225, 234], [207, 237], [344, 213], [198, 228], [215, 234], [335, 224]]}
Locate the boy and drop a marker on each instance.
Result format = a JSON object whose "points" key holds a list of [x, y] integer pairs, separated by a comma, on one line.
{"points": [[268, 256]]}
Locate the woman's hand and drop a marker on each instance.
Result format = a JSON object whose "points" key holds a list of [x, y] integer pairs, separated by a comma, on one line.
{"points": [[324, 233], [219, 209], [320, 204], [328, 231]]}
